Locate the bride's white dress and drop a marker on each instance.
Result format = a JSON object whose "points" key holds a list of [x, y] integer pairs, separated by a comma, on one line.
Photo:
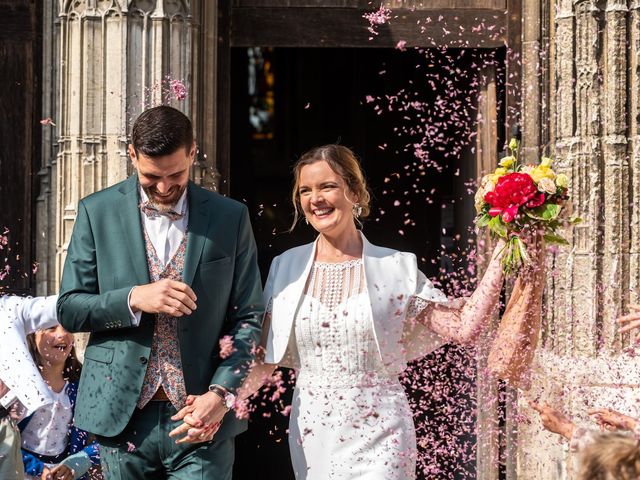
{"points": [[350, 419]]}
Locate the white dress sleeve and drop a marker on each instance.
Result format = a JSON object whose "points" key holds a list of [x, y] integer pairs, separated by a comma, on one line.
{"points": [[18, 317], [31, 313], [418, 339]]}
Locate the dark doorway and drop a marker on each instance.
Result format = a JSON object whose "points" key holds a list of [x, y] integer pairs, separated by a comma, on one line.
{"points": [[20, 92], [285, 101]]}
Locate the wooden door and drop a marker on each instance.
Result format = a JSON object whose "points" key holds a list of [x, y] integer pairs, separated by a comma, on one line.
{"points": [[20, 64]]}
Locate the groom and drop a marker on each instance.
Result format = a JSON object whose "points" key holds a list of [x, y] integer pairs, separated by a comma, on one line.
{"points": [[159, 270]]}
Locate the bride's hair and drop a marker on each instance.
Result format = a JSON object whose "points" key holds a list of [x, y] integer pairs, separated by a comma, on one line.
{"points": [[344, 163]]}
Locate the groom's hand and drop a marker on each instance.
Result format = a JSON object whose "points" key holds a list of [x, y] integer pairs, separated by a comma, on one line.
{"points": [[164, 296], [201, 418]]}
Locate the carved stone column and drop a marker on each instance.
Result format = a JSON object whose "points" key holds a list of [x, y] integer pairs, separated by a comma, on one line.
{"points": [[581, 362], [106, 61], [45, 239], [634, 148]]}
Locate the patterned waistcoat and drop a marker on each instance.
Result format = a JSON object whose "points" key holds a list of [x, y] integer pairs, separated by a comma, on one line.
{"points": [[165, 365]]}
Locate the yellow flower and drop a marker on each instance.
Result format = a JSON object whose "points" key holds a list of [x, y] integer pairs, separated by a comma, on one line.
{"points": [[545, 162], [542, 171], [513, 144], [562, 180], [507, 162], [497, 174]]}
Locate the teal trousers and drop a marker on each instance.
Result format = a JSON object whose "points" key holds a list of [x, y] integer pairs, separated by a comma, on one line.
{"points": [[144, 450]]}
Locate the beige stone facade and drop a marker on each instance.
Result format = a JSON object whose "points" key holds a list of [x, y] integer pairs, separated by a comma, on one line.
{"points": [[580, 103], [592, 123], [104, 61]]}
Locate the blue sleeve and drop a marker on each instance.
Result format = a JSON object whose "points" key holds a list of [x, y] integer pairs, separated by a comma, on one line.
{"points": [[32, 465], [94, 452]]}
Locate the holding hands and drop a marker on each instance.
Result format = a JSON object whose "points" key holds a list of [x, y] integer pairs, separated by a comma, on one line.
{"points": [[201, 418]]}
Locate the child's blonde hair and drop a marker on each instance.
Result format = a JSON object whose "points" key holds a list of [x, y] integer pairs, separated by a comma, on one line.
{"points": [[612, 456]]}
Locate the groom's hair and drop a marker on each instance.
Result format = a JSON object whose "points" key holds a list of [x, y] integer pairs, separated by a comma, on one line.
{"points": [[161, 131]]}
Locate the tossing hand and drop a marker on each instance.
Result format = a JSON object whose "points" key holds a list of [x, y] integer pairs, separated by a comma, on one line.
{"points": [[164, 296], [554, 420], [201, 418], [630, 322], [611, 420]]}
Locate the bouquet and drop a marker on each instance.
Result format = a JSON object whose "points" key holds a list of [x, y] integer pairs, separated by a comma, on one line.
{"points": [[515, 198], [513, 201]]}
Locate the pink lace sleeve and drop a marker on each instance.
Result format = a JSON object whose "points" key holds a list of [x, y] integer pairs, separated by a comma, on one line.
{"points": [[416, 307]]}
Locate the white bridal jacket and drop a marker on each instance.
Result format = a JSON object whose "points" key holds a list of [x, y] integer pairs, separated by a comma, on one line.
{"points": [[392, 280]]}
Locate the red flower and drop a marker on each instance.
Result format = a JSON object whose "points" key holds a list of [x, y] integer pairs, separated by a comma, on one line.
{"points": [[512, 191]]}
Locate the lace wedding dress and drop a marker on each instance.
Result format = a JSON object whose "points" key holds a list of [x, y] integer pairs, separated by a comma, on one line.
{"points": [[350, 419]]}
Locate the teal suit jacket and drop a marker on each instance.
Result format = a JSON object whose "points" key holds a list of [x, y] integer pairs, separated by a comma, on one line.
{"points": [[106, 258]]}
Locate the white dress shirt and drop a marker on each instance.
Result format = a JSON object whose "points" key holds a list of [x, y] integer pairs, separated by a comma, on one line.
{"points": [[20, 316], [165, 235]]}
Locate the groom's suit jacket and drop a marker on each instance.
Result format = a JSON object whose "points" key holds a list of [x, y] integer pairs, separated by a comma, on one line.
{"points": [[106, 258]]}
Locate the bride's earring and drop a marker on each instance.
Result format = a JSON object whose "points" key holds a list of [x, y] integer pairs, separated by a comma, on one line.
{"points": [[306, 220], [356, 210]]}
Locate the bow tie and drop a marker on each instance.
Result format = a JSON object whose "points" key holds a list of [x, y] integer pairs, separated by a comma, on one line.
{"points": [[151, 211]]}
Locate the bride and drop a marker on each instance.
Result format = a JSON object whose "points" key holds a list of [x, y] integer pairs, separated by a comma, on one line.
{"points": [[348, 315]]}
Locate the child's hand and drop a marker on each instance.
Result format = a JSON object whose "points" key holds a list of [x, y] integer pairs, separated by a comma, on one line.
{"points": [[612, 420], [59, 472], [554, 420]]}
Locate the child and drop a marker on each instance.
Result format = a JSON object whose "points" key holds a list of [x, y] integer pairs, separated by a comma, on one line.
{"points": [[611, 456], [52, 447], [22, 389]]}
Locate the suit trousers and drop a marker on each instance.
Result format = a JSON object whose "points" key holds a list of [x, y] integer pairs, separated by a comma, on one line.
{"points": [[145, 450], [11, 466]]}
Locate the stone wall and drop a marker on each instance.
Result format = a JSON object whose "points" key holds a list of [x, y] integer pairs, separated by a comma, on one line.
{"points": [[104, 60], [594, 82]]}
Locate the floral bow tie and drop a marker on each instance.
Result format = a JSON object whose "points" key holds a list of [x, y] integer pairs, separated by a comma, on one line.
{"points": [[151, 211]]}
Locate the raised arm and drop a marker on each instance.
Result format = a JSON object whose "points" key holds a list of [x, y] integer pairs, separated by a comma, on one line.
{"points": [[463, 324], [31, 313]]}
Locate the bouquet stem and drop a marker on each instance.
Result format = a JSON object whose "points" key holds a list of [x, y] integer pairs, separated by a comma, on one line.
{"points": [[515, 256]]}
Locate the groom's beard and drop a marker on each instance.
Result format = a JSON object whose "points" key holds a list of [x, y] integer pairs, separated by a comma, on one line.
{"points": [[167, 202]]}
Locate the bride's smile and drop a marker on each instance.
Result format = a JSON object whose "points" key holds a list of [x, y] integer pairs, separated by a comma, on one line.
{"points": [[325, 199]]}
